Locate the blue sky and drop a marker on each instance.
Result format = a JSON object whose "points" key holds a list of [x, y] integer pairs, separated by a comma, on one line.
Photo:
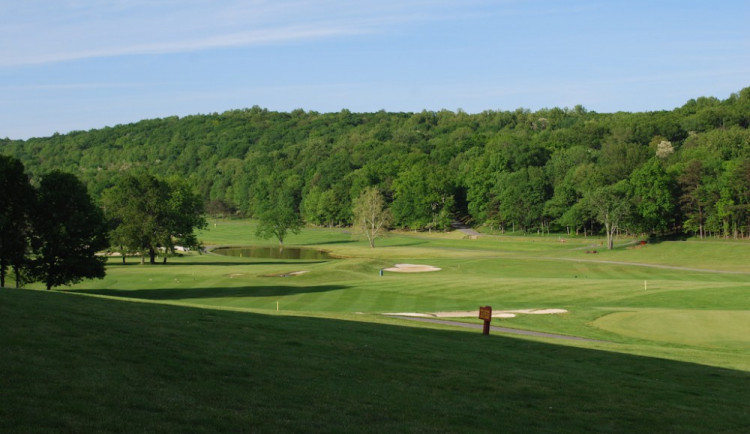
{"points": [[81, 64]]}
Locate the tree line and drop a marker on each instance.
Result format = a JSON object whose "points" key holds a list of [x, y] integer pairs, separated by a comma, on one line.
{"points": [[55, 233], [684, 171], [49, 233]]}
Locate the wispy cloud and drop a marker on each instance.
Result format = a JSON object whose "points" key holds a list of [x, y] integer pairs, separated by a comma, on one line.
{"points": [[68, 86], [245, 38], [42, 32]]}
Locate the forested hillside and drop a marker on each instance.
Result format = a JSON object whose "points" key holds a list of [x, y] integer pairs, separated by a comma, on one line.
{"points": [[685, 170]]}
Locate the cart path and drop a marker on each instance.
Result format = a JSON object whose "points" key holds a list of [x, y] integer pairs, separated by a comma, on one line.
{"points": [[464, 229], [643, 264], [498, 329]]}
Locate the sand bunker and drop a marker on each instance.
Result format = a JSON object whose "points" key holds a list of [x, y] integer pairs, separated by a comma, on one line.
{"points": [[411, 268], [475, 313]]}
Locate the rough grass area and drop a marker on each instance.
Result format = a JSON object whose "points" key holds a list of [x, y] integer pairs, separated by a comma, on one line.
{"points": [[74, 363]]}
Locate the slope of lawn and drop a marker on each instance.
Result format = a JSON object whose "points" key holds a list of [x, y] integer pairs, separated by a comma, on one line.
{"points": [[74, 363], [641, 299]]}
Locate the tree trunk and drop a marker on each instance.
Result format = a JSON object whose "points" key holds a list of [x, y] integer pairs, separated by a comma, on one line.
{"points": [[610, 235], [17, 271], [151, 255], [48, 281]]}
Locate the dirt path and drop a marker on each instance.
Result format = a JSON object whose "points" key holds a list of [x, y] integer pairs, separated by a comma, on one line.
{"points": [[500, 329], [464, 229]]}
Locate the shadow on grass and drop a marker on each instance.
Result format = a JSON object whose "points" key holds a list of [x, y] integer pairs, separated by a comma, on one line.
{"points": [[197, 293], [385, 243], [224, 361], [216, 263], [654, 239]]}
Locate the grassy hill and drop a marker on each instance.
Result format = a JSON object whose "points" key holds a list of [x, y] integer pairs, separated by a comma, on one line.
{"points": [[518, 169], [83, 364], [669, 285], [199, 345]]}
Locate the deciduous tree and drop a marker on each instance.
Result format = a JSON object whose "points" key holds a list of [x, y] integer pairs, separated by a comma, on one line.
{"points": [[652, 192], [611, 206], [149, 214], [522, 196], [371, 217], [185, 215], [16, 199], [278, 218], [69, 231], [696, 196], [423, 197]]}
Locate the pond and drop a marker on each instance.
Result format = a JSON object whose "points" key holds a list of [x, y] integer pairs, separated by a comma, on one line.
{"points": [[273, 252]]}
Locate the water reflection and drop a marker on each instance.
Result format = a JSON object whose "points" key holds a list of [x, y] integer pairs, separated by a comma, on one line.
{"points": [[273, 252]]}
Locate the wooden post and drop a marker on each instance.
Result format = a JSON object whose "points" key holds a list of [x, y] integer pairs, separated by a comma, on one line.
{"points": [[485, 313]]}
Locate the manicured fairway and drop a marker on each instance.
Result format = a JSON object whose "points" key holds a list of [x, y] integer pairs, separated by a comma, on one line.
{"points": [[685, 300], [219, 343]]}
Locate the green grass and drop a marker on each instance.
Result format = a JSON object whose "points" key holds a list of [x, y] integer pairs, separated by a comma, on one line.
{"points": [[709, 328], [85, 364], [674, 316], [505, 272]]}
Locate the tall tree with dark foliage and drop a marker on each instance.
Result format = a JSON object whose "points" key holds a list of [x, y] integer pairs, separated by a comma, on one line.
{"points": [[16, 198], [69, 230]]}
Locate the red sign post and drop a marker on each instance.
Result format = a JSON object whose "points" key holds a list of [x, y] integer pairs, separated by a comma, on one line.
{"points": [[485, 313]]}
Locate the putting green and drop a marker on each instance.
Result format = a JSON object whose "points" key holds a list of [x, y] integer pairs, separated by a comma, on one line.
{"points": [[705, 328]]}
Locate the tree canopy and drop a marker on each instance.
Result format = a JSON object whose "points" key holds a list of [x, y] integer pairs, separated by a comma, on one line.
{"points": [[51, 233], [278, 218], [522, 169], [16, 202], [149, 214], [69, 231], [371, 217]]}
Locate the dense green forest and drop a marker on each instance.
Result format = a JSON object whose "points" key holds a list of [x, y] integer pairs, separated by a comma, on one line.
{"points": [[666, 172]]}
